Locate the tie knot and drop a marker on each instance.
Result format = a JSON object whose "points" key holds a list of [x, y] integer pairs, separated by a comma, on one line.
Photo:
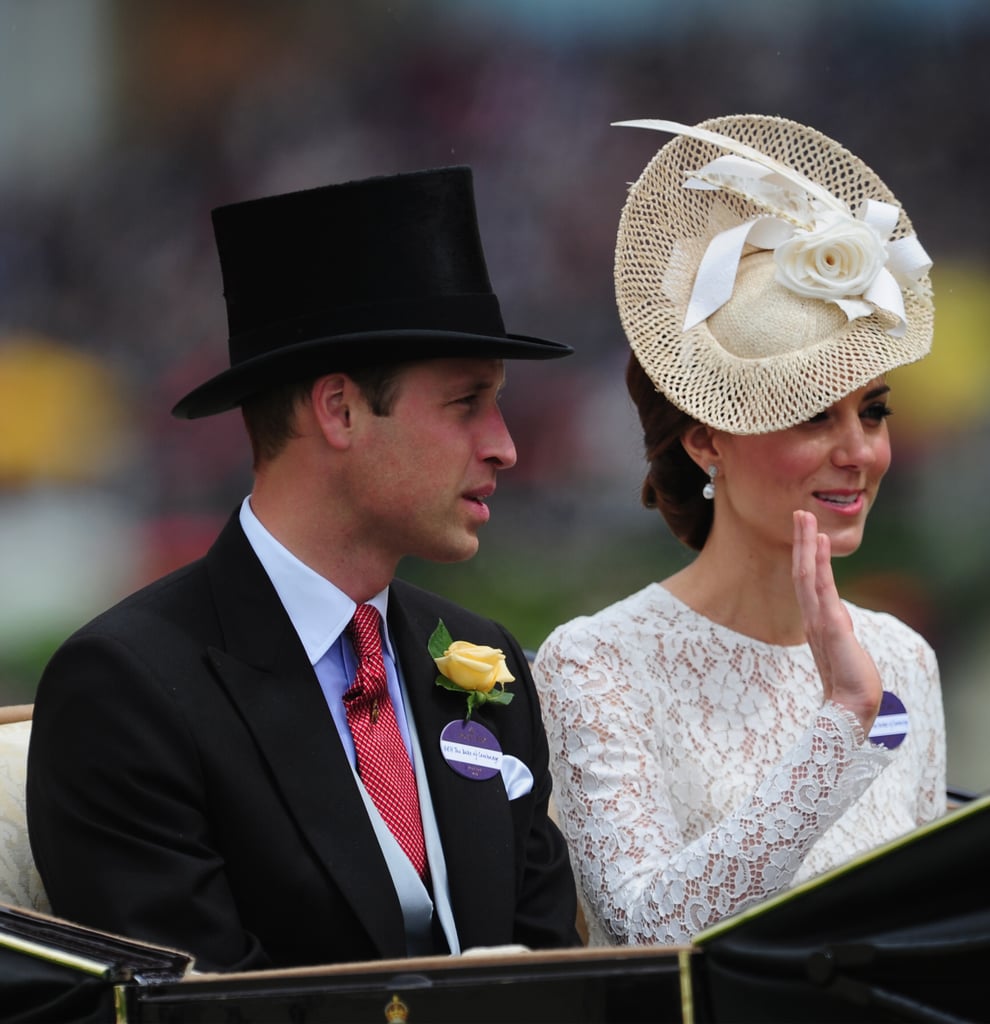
{"points": [[364, 630]]}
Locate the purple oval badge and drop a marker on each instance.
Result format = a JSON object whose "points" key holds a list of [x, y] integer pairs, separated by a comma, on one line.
{"points": [[471, 749], [891, 725]]}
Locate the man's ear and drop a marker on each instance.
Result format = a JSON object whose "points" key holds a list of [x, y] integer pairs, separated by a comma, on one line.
{"points": [[701, 444], [332, 401]]}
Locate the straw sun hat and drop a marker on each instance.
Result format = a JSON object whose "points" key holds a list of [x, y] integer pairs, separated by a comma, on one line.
{"points": [[763, 272]]}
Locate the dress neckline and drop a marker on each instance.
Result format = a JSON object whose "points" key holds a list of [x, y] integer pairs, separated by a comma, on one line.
{"points": [[726, 631]]}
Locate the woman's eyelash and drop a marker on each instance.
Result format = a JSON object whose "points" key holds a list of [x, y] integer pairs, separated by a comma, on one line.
{"points": [[876, 411]]}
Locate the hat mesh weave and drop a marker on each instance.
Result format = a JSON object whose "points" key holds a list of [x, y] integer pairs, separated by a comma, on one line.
{"points": [[663, 233]]}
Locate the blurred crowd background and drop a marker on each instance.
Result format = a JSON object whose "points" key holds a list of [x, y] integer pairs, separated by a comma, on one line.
{"points": [[123, 122]]}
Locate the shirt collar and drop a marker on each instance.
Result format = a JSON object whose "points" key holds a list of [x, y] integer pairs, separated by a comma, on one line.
{"points": [[318, 610]]}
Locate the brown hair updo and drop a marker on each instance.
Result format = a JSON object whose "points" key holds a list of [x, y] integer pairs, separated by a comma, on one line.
{"points": [[673, 481]]}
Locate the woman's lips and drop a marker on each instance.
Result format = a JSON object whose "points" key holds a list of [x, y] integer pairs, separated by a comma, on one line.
{"points": [[843, 502]]}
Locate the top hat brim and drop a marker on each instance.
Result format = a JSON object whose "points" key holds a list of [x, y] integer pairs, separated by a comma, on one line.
{"points": [[341, 352]]}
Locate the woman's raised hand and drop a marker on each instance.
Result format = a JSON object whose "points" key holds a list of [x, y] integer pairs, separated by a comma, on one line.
{"points": [[849, 675]]}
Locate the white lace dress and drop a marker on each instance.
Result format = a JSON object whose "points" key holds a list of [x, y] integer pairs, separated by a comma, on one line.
{"points": [[698, 771]]}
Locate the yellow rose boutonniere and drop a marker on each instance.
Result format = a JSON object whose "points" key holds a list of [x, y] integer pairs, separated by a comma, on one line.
{"points": [[478, 671]]}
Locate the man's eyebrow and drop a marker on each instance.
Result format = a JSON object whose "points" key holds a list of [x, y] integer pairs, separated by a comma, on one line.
{"points": [[484, 382]]}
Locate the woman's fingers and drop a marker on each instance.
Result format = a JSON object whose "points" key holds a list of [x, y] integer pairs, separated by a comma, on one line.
{"points": [[849, 676]]}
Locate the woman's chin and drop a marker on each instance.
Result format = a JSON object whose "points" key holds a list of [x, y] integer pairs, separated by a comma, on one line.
{"points": [[845, 542]]}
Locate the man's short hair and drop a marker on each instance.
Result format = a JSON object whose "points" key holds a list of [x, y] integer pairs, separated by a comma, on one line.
{"points": [[270, 415]]}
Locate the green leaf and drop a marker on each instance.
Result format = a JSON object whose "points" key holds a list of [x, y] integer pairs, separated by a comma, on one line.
{"points": [[448, 685], [439, 641], [499, 697]]}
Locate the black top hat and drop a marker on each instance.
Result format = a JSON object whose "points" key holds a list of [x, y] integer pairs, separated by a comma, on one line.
{"points": [[384, 269]]}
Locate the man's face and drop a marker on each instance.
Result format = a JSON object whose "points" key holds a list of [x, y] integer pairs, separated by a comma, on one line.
{"points": [[420, 476]]}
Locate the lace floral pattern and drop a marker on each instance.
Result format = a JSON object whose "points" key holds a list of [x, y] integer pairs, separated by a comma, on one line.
{"points": [[698, 771]]}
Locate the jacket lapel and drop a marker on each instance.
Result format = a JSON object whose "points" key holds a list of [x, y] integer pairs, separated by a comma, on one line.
{"points": [[266, 673], [473, 817]]}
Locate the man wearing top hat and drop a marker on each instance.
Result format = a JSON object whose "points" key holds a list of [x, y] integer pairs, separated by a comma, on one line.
{"points": [[196, 778]]}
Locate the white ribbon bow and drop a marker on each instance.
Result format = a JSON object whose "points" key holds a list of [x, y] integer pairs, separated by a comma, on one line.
{"points": [[898, 263]]}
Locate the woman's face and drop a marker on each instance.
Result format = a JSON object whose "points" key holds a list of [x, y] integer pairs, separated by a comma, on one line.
{"points": [[831, 466]]}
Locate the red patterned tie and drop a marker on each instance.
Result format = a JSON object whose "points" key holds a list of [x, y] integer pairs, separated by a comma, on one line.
{"points": [[383, 762]]}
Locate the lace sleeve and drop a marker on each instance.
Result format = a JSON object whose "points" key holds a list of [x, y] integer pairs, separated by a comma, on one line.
{"points": [[642, 881], [931, 793], [905, 657]]}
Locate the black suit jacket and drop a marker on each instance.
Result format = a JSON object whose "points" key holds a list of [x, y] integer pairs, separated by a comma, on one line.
{"points": [[187, 786]]}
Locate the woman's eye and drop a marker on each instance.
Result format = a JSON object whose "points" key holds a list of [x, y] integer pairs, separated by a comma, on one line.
{"points": [[878, 411]]}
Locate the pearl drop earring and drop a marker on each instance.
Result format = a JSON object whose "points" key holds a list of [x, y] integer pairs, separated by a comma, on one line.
{"points": [[709, 489]]}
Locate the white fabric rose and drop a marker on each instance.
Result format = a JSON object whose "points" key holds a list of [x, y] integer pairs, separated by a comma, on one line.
{"points": [[839, 258]]}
